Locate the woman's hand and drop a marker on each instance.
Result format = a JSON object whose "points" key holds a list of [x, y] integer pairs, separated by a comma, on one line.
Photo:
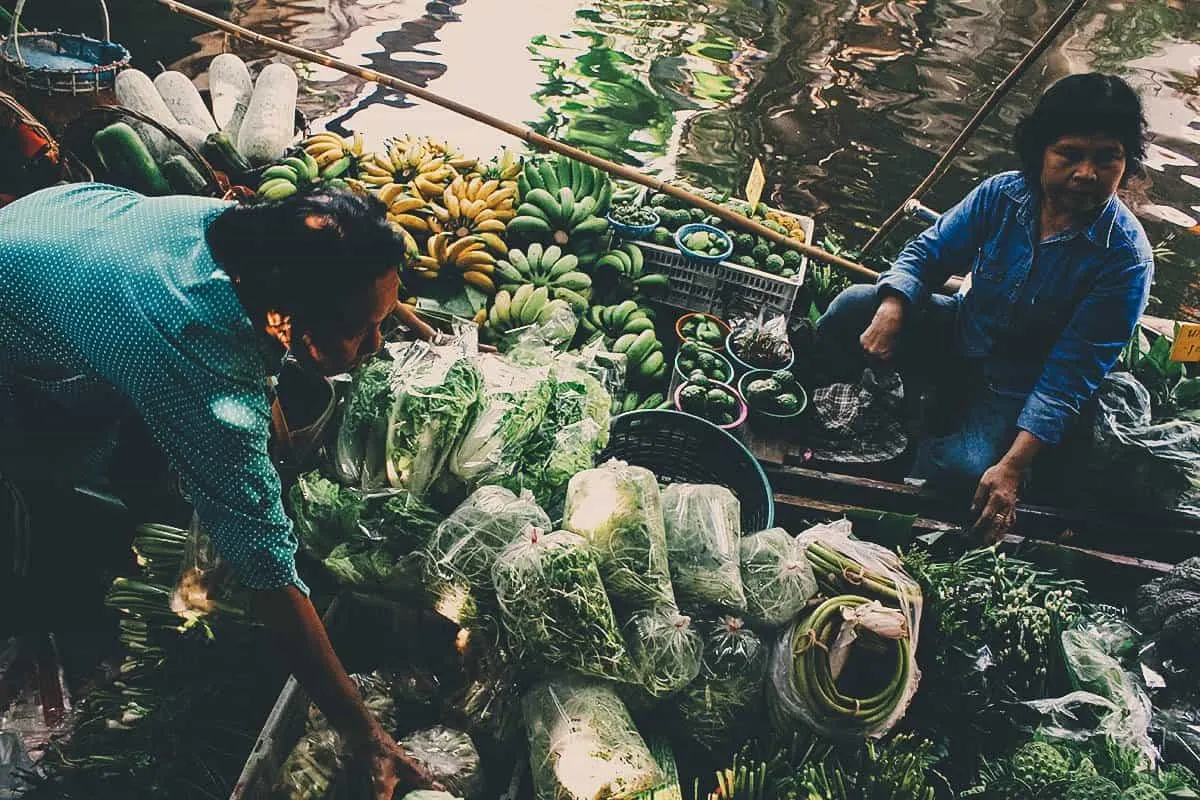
{"points": [[879, 339], [390, 767], [996, 502]]}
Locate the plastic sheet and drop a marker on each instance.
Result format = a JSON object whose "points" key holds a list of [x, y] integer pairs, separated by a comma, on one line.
{"points": [[451, 757], [703, 525], [869, 622], [715, 707], [618, 509], [665, 650], [777, 578], [583, 744], [1136, 458], [554, 606], [464, 546], [762, 340]]}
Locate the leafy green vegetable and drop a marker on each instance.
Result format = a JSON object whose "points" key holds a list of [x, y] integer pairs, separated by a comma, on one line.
{"points": [[776, 576], [431, 410], [703, 525], [554, 606], [618, 509], [583, 744], [714, 708], [325, 514], [363, 426]]}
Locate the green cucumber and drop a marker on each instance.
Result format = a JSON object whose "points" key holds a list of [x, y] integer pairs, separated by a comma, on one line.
{"points": [[128, 161], [221, 153], [183, 176]]}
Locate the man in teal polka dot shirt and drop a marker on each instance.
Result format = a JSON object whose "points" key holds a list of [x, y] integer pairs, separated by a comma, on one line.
{"points": [[114, 303]]}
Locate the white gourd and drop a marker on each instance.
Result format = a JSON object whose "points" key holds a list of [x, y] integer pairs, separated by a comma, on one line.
{"points": [[183, 100], [230, 85], [270, 122]]}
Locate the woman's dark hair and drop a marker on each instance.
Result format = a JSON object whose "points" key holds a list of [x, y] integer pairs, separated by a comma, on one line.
{"points": [[1091, 103], [309, 255]]}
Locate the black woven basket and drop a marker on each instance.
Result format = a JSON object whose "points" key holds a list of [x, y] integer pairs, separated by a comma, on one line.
{"points": [[681, 448]]}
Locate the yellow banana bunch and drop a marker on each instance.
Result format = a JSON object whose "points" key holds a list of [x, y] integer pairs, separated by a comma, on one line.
{"points": [[450, 154], [412, 166], [476, 208], [505, 168], [337, 157], [468, 255]]}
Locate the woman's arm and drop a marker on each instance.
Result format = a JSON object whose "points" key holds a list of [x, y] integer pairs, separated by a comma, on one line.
{"points": [[305, 650], [996, 498]]}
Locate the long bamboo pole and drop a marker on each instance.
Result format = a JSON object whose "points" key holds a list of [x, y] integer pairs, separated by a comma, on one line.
{"points": [[1002, 89], [533, 138]]}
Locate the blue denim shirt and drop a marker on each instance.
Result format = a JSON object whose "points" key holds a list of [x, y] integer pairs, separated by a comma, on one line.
{"points": [[1047, 320]]}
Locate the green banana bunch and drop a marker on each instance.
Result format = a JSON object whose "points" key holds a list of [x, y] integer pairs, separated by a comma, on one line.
{"points": [[635, 401], [613, 322], [628, 265], [548, 267], [288, 176], [645, 363], [560, 172], [558, 218], [528, 305]]}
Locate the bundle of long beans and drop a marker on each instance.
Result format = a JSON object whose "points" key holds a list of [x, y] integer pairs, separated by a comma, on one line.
{"points": [[838, 573]]}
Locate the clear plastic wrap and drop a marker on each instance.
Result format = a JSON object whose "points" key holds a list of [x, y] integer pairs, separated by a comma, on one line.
{"points": [[715, 708], [664, 649], [761, 340], [358, 453], [436, 398], [311, 768], [703, 524], [555, 332], [554, 606], [848, 668], [618, 509], [776, 577], [583, 744], [1134, 457], [464, 546], [515, 402], [451, 758], [429, 794]]}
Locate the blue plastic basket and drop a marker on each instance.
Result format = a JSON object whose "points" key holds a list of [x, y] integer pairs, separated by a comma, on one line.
{"points": [[61, 63], [680, 448], [626, 231], [694, 227]]}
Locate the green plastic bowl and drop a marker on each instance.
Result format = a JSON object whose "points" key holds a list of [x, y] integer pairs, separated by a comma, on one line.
{"points": [[769, 416]]}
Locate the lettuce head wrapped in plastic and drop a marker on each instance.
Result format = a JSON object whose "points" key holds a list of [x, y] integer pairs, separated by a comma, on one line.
{"points": [[583, 744], [362, 428], [704, 523], [464, 546], [451, 758], [776, 576], [714, 708], [554, 606], [618, 509], [665, 650], [436, 397]]}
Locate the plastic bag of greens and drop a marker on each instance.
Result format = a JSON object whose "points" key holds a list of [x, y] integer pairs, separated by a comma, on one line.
{"points": [[554, 607], [362, 425], [464, 546], [309, 771], [703, 524], [618, 509], [435, 400], [664, 649], [776, 576], [450, 757], [847, 668], [429, 794], [515, 402], [583, 744], [726, 693]]}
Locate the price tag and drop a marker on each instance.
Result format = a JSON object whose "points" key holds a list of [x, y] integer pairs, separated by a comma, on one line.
{"points": [[755, 184], [1187, 343]]}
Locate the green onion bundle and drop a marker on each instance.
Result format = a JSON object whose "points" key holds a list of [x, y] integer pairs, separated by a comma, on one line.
{"points": [[554, 607]]}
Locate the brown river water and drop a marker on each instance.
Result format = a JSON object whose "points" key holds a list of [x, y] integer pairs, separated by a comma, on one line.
{"points": [[847, 103]]}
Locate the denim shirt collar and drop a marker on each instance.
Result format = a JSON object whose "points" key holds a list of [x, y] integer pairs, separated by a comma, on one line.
{"points": [[1099, 232]]}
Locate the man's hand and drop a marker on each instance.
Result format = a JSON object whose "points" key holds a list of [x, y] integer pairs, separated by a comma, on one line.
{"points": [[996, 502], [879, 339], [390, 767]]}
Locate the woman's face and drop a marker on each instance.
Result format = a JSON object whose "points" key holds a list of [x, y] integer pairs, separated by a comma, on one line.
{"points": [[1080, 173], [337, 350]]}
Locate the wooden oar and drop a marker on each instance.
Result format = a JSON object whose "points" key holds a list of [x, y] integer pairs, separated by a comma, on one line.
{"points": [[533, 138]]}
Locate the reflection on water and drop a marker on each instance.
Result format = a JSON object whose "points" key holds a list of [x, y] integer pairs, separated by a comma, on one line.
{"points": [[848, 103]]}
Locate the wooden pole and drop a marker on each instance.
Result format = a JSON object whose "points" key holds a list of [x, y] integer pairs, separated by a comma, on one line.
{"points": [[943, 164], [533, 138]]}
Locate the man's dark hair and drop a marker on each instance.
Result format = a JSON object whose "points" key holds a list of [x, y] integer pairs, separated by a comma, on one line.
{"points": [[309, 254], [1085, 104]]}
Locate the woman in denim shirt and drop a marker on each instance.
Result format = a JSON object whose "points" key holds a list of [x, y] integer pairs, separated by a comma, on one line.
{"points": [[1060, 274]]}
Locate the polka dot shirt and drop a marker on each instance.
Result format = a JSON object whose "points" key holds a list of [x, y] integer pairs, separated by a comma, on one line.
{"points": [[111, 299]]}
